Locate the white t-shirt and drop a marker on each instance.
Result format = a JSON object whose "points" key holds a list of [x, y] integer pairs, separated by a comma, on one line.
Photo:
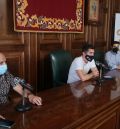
{"points": [[79, 64]]}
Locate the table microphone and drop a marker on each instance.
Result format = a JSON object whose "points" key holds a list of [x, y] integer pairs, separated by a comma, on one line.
{"points": [[24, 106], [23, 83], [101, 65]]}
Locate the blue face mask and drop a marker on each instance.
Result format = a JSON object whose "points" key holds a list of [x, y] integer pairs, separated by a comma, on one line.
{"points": [[3, 69]]}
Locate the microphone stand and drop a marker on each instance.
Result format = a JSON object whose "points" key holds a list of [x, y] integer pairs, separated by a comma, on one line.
{"points": [[100, 79], [24, 106]]}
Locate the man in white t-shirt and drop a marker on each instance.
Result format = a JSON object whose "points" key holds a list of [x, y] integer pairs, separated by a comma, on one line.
{"points": [[81, 65]]}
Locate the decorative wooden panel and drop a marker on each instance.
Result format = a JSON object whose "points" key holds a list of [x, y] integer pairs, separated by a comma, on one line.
{"points": [[15, 61], [51, 38]]}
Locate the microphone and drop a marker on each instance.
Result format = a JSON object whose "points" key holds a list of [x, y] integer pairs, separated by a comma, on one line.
{"points": [[23, 83], [101, 65]]}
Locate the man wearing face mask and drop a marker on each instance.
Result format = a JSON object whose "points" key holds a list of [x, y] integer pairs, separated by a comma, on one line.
{"points": [[81, 65], [112, 57], [7, 81]]}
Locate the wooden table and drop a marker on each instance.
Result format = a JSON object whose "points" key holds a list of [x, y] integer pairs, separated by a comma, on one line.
{"points": [[81, 105]]}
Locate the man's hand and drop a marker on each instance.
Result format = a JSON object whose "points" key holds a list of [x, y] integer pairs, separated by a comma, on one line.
{"points": [[2, 117], [32, 98], [96, 74], [35, 99], [118, 67]]}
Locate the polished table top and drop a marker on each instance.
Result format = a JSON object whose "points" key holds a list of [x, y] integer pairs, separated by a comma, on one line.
{"points": [[65, 106]]}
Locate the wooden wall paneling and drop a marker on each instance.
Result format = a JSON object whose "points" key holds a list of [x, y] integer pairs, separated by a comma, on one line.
{"points": [[7, 34], [10, 25], [11, 48], [116, 5], [39, 38], [6, 19], [51, 38], [100, 46], [33, 60], [15, 61], [40, 72], [109, 21], [100, 32], [76, 49], [76, 52], [45, 71], [90, 34], [101, 29], [30, 41], [66, 40], [86, 33], [77, 40], [40, 64], [26, 41], [30, 61], [3, 17]]}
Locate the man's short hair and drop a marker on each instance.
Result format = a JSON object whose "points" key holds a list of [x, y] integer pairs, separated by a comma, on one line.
{"points": [[86, 47]]}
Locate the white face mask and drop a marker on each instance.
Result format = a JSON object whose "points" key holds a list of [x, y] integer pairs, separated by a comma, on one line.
{"points": [[3, 69]]}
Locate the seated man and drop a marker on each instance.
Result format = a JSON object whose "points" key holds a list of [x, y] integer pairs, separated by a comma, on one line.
{"points": [[7, 80], [81, 65], [112, 57]]}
